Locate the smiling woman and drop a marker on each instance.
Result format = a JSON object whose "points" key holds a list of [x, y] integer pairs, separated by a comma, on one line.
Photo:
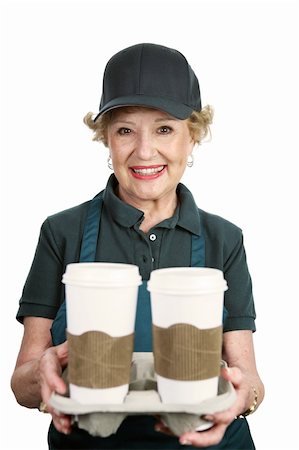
{"points": [[156, 147], [149, 151], [150, 118]]}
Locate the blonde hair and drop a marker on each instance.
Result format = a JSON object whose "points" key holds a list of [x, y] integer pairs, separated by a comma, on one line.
{"points": [[198, 122]]}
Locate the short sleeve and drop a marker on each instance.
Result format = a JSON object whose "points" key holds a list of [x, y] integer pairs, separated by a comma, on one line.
{"points": [[238, 298], [43, 290]]}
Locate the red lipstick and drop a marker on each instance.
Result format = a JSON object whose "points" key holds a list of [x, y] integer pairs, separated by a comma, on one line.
{"points": [[148, 172]]}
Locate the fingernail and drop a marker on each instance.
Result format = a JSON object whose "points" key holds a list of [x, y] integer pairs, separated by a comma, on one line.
{"points": [[157, 428], [208, 418], [185, 442]]}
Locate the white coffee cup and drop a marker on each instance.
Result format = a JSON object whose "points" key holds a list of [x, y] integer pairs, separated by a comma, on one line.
{"points": [[101, 297], [193, 296]]}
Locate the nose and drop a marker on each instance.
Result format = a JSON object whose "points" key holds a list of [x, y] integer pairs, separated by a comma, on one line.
{"points": [[145, 148]]}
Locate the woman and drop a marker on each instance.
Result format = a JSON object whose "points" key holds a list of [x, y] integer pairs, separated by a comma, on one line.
{"points": [[150, 118]]}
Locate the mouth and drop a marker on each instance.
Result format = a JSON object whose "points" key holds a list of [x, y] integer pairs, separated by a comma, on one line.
{"points": [[148, 172]]}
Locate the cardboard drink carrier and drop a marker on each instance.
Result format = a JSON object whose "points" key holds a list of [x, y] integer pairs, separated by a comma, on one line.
{"points": [[143, 398], [180, 381]]}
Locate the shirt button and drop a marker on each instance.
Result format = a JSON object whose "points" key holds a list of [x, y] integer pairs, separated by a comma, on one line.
{"points": [[153, 237]]}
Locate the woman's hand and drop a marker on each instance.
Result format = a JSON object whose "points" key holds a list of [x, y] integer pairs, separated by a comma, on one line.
{"points": [[38, 370], [238, 351], [221, 420], [53, 360]]}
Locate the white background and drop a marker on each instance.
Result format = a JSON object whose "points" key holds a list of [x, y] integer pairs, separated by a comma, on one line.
{"points": [[246, 57]]}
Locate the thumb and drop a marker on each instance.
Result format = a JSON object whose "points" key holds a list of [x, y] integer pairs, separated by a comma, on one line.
{"points": [[62, 353], [59, 385], [232, 374]]}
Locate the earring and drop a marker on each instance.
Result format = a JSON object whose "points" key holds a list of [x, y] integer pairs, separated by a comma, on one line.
{"points": [[109, 163], [190, 161]]}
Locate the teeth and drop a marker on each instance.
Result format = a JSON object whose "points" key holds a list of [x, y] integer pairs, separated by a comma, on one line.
{"points": [[149, 171]]}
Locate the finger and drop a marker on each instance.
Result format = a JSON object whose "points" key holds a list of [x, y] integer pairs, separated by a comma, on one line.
{"points": [[204, 438], [232, 374], [52, 383], [57, 384], [47, 389], [162, 428], [62, 423], [62, 353], [224, 417], [236, 377], [50, 372]]}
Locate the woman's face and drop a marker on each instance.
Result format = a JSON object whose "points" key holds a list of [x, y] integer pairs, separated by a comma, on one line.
{"points": [[149, 151]]}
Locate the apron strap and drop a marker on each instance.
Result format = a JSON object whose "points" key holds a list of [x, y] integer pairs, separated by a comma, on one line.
{"points": [[198, 259], [91, 230], [198, 251], [87, 254]]}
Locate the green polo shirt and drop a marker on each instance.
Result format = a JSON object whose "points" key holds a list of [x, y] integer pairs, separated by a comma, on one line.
{"points": [[167, 244]]}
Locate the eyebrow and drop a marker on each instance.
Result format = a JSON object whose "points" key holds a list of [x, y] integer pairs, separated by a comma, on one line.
{"points": [[166, 118], [122, 121]]}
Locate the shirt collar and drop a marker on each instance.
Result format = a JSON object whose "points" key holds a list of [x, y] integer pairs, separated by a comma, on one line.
{"points": [[189, 217], [123, 213], [186, 215]]}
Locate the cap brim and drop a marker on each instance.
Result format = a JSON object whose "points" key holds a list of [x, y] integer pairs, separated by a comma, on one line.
{"points": [[178, 110]]}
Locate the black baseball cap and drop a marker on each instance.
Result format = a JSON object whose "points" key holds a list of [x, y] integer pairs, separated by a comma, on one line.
{"points": [[153, 76]]}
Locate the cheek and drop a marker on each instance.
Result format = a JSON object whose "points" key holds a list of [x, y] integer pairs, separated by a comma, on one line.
{"points": [[113, 147], [120, 156], [183, 151]]}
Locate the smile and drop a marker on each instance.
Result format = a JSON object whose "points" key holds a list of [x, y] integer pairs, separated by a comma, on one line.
{"points": [[147, 172]]}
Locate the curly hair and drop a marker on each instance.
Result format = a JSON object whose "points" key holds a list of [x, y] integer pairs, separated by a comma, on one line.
{"points": [[198, 122]]}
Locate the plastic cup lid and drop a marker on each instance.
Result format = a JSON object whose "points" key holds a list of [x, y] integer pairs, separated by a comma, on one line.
{"points": [[102, 274], [191, 280]]}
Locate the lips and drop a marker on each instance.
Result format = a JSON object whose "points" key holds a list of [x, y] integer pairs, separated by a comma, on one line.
{"points": [[148, 172]]}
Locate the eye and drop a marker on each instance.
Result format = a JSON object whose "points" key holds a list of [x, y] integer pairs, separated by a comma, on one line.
{"points": [[164, 129], [124, 130]]}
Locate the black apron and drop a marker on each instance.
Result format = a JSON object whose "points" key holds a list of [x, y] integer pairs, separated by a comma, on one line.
{"points": [[136, 432]]}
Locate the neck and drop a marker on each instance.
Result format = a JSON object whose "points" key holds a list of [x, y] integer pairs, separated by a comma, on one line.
{"points": [[155, 211]]}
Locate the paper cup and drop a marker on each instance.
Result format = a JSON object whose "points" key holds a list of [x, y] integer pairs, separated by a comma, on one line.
{"points": [[101, 301], [187, 308]]}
